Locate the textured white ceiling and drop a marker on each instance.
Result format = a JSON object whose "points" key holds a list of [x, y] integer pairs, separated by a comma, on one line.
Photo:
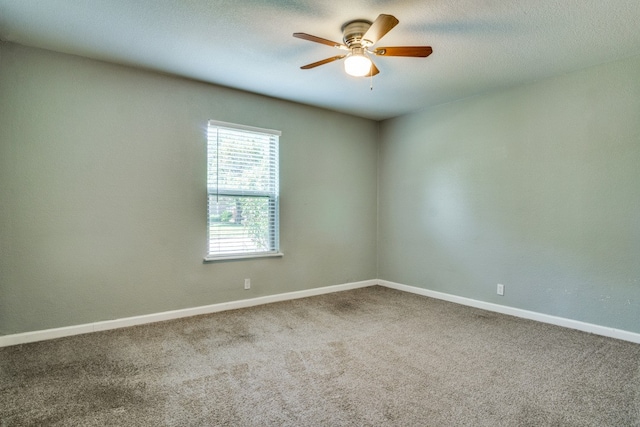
{"points": [[479, 45]]}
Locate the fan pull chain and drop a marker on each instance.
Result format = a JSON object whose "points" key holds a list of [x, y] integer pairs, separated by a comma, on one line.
{"points": [[371, 76]]}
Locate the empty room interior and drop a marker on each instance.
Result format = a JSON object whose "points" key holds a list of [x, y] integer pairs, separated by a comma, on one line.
{"points": [[452, 237]]}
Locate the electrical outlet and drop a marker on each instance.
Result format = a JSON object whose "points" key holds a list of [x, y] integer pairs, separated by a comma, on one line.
{"points": [[247, 283], [500, 289]]}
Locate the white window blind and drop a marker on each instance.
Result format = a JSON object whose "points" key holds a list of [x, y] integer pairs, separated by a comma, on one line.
{"points": [[243, 191]]}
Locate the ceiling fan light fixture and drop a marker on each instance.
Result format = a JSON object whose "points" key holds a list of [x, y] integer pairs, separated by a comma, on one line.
{"points": [[359, 37], [357, 64]]}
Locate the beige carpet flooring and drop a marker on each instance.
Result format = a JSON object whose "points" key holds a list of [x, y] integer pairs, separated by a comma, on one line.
{"points": [[367, 357]]}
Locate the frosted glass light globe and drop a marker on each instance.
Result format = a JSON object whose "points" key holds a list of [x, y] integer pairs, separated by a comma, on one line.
{"points": [[357, 65]]}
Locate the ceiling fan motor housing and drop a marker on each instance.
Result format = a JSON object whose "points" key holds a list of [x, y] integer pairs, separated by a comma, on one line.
{"points": [[353, 31]]}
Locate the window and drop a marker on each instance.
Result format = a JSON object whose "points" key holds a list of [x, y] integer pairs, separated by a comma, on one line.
{"points": [[242, 186]]}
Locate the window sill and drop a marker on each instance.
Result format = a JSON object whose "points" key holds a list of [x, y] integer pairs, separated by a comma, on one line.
{"points": [[240, 257]]}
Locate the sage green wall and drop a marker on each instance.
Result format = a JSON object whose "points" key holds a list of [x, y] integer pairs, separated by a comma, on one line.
{"points": [[537, 188], [103, 196]]}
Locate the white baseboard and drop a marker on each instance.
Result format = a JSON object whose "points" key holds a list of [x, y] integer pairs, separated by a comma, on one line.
{"points": [[48, 334], [525, 314]]}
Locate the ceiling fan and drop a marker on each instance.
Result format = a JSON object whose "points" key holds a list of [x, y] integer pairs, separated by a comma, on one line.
{"points": [[359, 36]]}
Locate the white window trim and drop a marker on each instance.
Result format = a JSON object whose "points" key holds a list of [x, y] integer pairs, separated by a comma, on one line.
{"points": [[244, 127], [245, 256], [249, 255]]}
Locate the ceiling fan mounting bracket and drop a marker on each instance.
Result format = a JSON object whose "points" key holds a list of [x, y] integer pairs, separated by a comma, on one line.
{"points": [[353, 31]]}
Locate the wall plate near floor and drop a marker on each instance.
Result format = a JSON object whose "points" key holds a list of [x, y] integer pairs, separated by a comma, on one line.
{"points": [[500, 289]]}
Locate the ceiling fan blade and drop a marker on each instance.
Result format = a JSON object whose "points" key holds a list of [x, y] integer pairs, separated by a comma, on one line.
{"points": [[374, 70], [324, 61], [305, 36], [381, 26], [416, 51]]}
